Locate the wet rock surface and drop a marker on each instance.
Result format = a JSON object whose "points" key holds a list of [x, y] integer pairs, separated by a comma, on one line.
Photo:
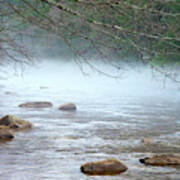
{"points": [[162, 160], [105, 167], [5, 133], [38, 104], [15, 123], [68, 107]]}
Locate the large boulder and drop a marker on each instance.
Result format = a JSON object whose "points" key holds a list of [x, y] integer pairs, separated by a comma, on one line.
{"points": [[15, 123], [5, 133], [68, 107], [161, 160], [38, 104], [105, 167]]}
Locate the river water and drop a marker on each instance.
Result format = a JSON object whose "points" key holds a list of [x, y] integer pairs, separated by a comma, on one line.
{"points": [[112, 117]]}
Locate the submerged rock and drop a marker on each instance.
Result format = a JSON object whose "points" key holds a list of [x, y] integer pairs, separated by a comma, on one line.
{"points": [[43, 87], [15, 123], [68, 107], [147, 140], [161, 160], [43, 104], [105, 167], [5, 133], [10, 93]]}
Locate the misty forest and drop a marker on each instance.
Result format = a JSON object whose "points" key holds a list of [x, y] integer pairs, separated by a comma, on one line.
{"points": [[90, 89]]}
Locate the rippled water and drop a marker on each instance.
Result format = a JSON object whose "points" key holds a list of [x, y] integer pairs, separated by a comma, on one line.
{"points": [[112, 118]]}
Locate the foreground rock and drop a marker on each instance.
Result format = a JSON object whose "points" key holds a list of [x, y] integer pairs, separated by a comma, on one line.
{"points": [[5, 134], [161, 160], [68, 107], [105, 167], [15, 123], [36, 104]]}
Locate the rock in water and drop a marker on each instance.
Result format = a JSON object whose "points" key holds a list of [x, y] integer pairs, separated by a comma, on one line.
{"points": [[6, 120], [68, 107], [42, 104], [161, 160], [5, 134], [147, 140], [15, 123], [43, 87], [105, 167], [10, 93]]}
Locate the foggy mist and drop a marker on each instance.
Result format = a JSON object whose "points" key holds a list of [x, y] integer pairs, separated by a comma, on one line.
{"points": [[59, 75], [113, 115], [86, 81]]}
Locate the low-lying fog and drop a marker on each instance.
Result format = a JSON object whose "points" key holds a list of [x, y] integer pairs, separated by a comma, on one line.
{"points": [[112, 117], [68, 76]]}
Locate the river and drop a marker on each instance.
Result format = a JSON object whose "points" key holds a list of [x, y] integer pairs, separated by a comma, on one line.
{"points": [[112, 117]]}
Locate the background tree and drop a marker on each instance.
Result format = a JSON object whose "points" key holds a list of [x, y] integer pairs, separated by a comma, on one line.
{"points": [[108, 29]]}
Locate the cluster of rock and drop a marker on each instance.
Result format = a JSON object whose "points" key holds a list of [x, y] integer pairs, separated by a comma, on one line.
{"points": [[10, 124], [114, 167], [46, 104]]}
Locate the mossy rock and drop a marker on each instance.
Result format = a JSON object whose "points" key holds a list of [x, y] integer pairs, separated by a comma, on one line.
{"points": [[15, 123], [5, 133]]}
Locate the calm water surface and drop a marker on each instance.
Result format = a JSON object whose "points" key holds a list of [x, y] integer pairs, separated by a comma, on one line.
{"points": [[112, 118]]}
